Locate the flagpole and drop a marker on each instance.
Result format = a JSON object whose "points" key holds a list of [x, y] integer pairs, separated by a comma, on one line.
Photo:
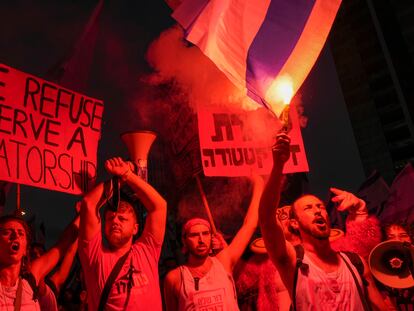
{"points": [[18, 204], [205, 204]]}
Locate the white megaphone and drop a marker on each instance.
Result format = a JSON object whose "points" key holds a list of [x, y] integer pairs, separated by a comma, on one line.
{"points": [[391, 263], [139, 144]]}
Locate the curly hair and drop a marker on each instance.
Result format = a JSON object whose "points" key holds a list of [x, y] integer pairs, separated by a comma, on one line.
{"points": [[25, 260], [409, 228]]}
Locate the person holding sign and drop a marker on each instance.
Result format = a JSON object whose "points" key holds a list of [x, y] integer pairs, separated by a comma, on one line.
{"points": [[316, 276], [19, 278], [124, 274], [205, 282]]}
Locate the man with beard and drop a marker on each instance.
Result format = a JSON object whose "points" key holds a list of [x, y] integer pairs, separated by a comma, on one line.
{"points": [[324, 279], [134, 285], [206, 282], [19, 278]]}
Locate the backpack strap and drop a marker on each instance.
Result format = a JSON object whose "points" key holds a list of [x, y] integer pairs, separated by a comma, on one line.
{"points": [[29, 277], [110, 280], [18, 299], [300, 253], [358, 262]]}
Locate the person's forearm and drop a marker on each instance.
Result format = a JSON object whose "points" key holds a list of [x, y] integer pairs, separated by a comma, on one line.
{"points": [[149, 197], [271, 228], [61, 274], [96, 197], [68, 238], [271, 196], [252, 215], [360, 213], [43, 265]]}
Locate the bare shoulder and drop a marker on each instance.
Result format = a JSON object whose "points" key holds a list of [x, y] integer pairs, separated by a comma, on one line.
{"points": [[173, 278]]}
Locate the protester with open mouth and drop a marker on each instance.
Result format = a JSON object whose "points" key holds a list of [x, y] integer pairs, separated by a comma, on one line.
{"points": [[19, 278], [315, 275]]}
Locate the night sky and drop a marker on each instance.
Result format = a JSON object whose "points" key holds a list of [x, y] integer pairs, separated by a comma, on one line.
{"points": [[36, 34]]}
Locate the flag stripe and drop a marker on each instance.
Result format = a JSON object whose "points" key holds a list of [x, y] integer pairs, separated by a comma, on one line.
{"points": [[188, 12], [224, 31], [311, 42], [256, 42], [274, 42]]}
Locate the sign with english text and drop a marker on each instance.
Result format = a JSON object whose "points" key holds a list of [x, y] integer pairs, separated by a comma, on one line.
{"points": [[237, 142], [49, 135]]}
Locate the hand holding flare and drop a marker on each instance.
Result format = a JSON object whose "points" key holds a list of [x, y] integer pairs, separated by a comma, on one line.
{"points": [[281, 91]]}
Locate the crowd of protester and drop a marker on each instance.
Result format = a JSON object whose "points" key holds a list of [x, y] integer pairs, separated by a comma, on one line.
{"points": [[304, 265]]}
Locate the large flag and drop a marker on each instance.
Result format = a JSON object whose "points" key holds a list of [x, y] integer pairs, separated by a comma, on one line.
{"points": [[400, 205], [260, 45], [73, 70]]}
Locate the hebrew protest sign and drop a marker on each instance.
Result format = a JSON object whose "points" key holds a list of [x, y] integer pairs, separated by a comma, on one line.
{"points": [[237, 142], [49, 135]]}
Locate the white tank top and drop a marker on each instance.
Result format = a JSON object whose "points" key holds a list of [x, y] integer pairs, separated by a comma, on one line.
{"points": [[319, 290], [215, 292]]}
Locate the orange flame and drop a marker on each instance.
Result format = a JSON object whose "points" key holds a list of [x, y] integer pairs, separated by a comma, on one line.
{"points": [[280, 93]]}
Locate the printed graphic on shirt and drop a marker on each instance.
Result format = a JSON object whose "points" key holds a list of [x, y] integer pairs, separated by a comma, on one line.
{"points": [[210, 300], [133, 279], [331, 293]]}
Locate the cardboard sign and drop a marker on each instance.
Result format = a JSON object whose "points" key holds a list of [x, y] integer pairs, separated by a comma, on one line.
{"points": [[235, 143], [48, 134]]}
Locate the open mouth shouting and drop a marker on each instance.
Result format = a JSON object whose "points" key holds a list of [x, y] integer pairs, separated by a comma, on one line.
{"points": [[14, 247], [320, 223]]}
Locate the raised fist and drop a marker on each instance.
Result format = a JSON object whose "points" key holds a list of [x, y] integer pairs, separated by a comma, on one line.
{"points": [[281, 149]]}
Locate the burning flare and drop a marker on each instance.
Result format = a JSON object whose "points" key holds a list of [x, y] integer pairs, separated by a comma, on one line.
{"points": [[280, 93]]}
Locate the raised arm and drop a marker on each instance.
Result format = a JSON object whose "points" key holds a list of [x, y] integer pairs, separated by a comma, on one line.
{"points": [[231, 254], [153, 202], [280, 251], [90, 222], [41, 266], [347, 201], [59, 277], [61, 274]]}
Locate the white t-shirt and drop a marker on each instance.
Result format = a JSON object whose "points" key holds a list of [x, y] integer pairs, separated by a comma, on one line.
{"points": [[8, 296], [98, 262]]}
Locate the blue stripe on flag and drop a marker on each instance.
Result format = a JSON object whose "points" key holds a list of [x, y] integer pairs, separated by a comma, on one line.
{"points": [[275, 40]]}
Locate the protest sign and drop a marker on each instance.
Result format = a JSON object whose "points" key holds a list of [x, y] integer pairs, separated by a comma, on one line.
{"points": [[238, 142], [48, 134]]}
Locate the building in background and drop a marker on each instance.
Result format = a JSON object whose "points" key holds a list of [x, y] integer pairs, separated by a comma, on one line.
{"points": [[372, 42]]}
